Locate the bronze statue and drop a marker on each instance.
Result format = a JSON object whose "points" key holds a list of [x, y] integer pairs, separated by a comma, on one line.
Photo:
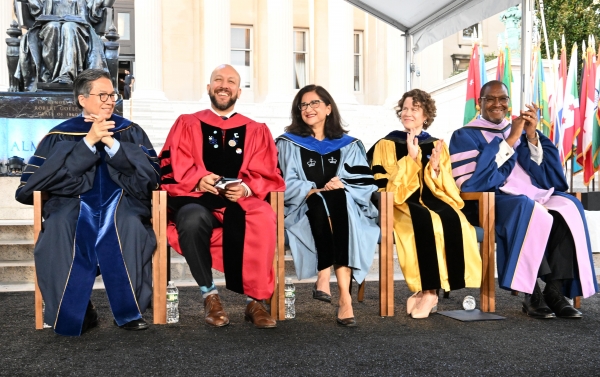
{"points": [[63, 40]]}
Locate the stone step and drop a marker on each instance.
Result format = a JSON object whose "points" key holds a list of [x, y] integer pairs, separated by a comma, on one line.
{"points": [[16, 271], [16, 230], [16, 250]]}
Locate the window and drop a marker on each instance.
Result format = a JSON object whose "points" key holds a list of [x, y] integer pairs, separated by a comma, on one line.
{"points": [[358, 61], [473, 32], [123, 26], [241, 53], [300, 58]]}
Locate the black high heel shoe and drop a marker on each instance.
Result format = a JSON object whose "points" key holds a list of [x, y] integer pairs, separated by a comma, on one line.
{"points": [[346, 322], [320, 295]]}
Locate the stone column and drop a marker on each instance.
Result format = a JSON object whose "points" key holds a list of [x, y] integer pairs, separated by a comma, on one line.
{"points": [[6, 17], [280, 59], [216, 41], [148, 51], [395, 47], [341, 35]]}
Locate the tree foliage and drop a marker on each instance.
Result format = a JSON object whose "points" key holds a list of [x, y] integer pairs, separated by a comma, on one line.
{"points": [[576, 19]]}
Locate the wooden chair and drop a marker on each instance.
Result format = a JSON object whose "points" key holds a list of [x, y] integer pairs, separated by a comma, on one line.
{"points": [[386, 249], [159, 258]]}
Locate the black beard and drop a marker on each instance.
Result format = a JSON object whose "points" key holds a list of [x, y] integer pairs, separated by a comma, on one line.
{"points": [[213, 100]]}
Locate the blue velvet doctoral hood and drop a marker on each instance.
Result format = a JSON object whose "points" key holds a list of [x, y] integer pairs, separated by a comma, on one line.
{"points": [[322, 147]]}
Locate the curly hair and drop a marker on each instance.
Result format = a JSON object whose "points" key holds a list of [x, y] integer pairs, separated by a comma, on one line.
{"points": [[424, 100], [334, 128]]}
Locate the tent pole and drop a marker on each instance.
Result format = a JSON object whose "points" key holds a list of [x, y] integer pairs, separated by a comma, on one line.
{"points": [[526, 28], [409, 59]]}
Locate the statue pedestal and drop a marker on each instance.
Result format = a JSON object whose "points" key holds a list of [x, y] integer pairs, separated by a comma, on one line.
{"points": [[26, 117]]}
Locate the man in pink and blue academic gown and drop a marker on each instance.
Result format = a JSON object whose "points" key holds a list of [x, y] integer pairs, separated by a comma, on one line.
{"points": [[540, 230]]}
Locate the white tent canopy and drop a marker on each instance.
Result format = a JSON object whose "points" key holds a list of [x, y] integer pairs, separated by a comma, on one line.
{"points": [[428, 21]]}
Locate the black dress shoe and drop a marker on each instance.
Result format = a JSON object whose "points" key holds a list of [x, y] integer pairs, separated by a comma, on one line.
{"points": [[91, 318], [559, 304], [535, 306], [320, 295], [135, 325], [346, 322]]}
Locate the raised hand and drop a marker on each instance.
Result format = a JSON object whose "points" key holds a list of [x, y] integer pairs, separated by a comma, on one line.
{"points": [[531, 121], [412, 144], [100, 130], [434, 160]]}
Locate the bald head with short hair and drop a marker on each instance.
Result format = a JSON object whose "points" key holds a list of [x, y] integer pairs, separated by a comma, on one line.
{"points": [[228, 69]]}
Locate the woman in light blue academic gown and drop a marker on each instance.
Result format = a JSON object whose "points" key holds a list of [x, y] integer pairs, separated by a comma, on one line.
{"points": [[329, 217]]}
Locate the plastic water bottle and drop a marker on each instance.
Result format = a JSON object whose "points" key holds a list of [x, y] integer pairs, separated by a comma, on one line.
{"points": [[290, 299], [46, 326], [469, 303], [172, 303]]}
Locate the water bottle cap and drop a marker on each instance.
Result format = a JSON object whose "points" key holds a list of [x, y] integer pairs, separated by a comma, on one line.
{"points": [[288, 280]]}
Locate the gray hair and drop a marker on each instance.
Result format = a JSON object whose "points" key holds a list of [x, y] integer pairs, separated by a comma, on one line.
{"points": [[83, 83]]}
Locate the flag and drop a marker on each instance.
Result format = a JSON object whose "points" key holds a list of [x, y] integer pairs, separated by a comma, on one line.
{"points": [[560, 99], [504, 74], [482, 71], [473, 86], [540, 95], [570, 114], [552, 94], [588, 107], [596, 119]]}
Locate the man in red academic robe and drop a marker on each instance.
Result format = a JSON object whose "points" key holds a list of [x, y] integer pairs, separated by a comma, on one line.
{"points": [[217, 167]]}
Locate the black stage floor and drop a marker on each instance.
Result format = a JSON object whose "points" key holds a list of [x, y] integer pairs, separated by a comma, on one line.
{"points": [[310, 345]]}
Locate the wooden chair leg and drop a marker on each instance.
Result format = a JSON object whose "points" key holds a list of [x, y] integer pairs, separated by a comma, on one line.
{"points": [[37, 227], [361, 292], [386, 259], [514, 293], [277, 301], [577, 302], [159, 258]]}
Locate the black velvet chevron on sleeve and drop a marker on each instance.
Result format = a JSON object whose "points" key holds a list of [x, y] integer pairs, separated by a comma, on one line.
{"points": [[358, 169]]}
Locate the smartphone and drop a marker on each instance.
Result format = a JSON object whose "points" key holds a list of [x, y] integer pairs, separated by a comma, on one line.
{"points": [[224, 182]]}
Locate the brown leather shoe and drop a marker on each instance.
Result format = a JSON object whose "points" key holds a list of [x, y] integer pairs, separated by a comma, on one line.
{"points": [[214, 314], [258, 315]]}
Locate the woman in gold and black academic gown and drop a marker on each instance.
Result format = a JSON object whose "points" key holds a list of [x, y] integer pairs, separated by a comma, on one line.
{"points": [[436, 245]]}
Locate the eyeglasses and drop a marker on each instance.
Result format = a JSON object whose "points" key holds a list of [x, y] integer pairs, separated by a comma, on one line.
{"points": [[502, 100], [313, 104], [104, 96]]}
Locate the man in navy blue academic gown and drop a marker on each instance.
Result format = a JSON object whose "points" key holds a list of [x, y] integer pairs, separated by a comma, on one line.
{"points": [[99, 170]]}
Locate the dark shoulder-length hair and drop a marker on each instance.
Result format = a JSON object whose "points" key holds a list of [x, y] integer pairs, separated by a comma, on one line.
{"points": [[334, 128], [422, 99]]}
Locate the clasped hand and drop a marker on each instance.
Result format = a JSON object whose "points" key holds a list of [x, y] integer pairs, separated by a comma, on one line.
{"points": [[526, 121], [333, 184], [100, 130], [232, 192]]}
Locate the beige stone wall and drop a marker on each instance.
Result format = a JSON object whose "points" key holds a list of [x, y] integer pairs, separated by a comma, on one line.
{"points": [[181, 50]]}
